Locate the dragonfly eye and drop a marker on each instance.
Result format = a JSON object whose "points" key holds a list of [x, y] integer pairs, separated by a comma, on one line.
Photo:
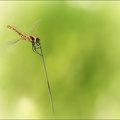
{"points": [[38, 41]]}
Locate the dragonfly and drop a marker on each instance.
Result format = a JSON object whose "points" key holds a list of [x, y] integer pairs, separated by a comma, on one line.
{"points": [[36, 44], [30, 38]]}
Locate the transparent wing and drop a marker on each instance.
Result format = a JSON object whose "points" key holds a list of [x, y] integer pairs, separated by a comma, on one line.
{"points": [[34, 26], [14, 41]]}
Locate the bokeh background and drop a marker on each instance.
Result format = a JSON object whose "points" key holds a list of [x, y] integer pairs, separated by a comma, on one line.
{"points": [[81, 45]]}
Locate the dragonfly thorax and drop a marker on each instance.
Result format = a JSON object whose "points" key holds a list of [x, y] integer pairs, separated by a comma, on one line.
{"points": [[34, 40]]}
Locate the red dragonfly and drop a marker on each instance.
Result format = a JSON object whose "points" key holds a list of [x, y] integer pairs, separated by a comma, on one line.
{"points": [[30, 38], [35, 45]]}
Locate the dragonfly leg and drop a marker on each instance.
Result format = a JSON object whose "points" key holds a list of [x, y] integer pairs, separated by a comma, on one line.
{"points": [[37, 47], [34, 49]]}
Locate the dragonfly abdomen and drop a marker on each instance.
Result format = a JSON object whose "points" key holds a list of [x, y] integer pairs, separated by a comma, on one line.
{"points": [[19, 33]]}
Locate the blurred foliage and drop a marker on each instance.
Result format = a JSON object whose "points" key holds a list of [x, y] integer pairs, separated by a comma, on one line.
{"points": [[80, 41]]}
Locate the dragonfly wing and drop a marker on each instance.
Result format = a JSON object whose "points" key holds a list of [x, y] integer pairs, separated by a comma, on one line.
{"points": [[34, 26], [14, 41]]}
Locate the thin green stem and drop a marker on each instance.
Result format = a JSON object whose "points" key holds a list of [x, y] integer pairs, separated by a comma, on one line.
{"points": [[47, 81]]}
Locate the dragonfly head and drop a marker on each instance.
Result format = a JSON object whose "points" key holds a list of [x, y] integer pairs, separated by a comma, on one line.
{"points": [[38, 41]]}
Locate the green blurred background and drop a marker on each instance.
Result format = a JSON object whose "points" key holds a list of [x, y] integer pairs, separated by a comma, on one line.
{"points": [[81, 45]]}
